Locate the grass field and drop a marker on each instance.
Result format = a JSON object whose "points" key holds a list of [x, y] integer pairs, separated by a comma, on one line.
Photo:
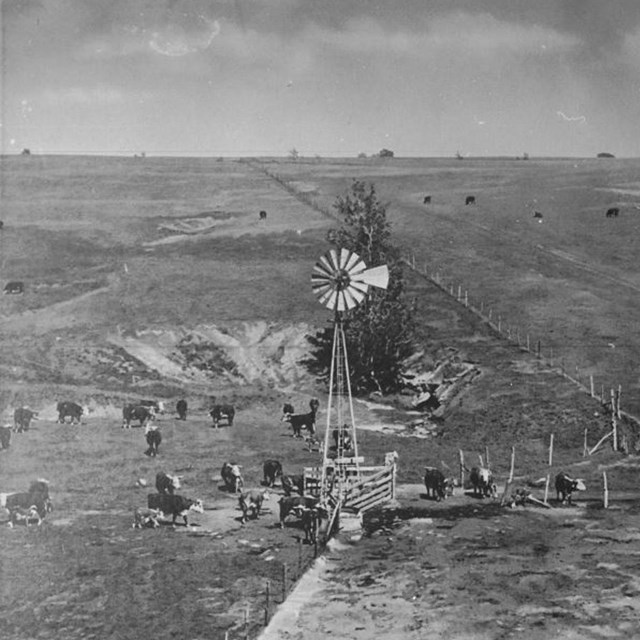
{"points": [[114, 287]]}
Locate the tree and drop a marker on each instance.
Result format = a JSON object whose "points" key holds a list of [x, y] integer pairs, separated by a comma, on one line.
{"points": [[385, 153], [380, 331]]}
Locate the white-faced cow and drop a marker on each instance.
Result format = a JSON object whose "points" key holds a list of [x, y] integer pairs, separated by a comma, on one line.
{"points": [[181, 409], [295, 505], [470, 200], [131, 412], [232, 477], [154, 438], [482, 482], [22, 418], [315, 521], [174, 505], [220, 412], [292, 483], [436, 484], [272, 470], [252, 501], [166, 483], [566, 485], [37, 496], [69, 410], [298, 421], [14, 287]]}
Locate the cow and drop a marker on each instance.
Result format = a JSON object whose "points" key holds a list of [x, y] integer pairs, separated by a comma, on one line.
{"points": [[295, 505], [232, 477], [5, 436], [37, 496], [263, 215], [1, 224], [343, 441], [291, 483], [24, 515], [613, 212], [470, 200], [166, 483], [426, 200], [22, 418], [131, 412], [300, 420], [272, 469], [314, 520], [566, 485], [154, 438], [181, 409], [69, 409], [222, 411], [537, 214], [14, 287], [174, 506], [143, 518], [482, 482], [436, 484], [252, 501]]}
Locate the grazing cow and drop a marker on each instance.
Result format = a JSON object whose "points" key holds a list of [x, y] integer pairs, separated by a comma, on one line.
{"points": [[482, 482], [181, 409], [314, 521], [426, 200], [295, 505], [154, 438], [537, 214], [174, 505], [5, 436], [232, 477], [291, 483], [436, 484], [166, 483], [300, 420], [221, 412], [69, 409], [263, 215], [252, 501], [143, 518], [24, 515], [132, 412], [272, 470], [14, 287], [566, 485], [613, 212], [22, 418], [470, 200], [38, 496]]}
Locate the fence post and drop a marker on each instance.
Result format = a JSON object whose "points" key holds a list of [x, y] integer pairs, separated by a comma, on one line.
{"points": [[606, 490], [618, 401], [299, 555], [267, 604], [546, 489], [538, 349], [284, 582], [486, 456], [499, 324], [528, 343], [614, 420], [593, 395], [466, 299], [459, 291], [513, 463], [585, 449], [551, 450], [461, 454]]}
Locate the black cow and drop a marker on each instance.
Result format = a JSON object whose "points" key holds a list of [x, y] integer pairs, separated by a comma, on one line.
{"points": [[132, 412], [482, 482], [69, 409], [37, 496], [174, 505], [272, 469], [537, 214], [22, 418], [14, 287], [166, 483], [5, 436], [314, 521], [470, 200], [221, 412], [154, 438], [566, 485], [435, 483], [231, 476], [296, 505], [181, 409], [613, 212], [306, 420], [263, 215], [252, 501], [291, 483], [427, 200]]}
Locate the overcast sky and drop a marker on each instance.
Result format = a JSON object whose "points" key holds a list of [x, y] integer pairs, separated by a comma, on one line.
{"points": [[328, 77]]}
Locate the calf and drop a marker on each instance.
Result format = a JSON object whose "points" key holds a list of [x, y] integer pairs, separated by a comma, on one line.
{"points": [[295, 505], [232, 477], [291, 483], [252, 501], [166, 483], [174, 505], [5, 436], [436, 484], [143, 518], [272, 469], [566, 485], [482, 482], [24, 515]]}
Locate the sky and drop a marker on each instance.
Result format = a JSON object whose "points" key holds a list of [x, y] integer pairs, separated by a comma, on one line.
{"points": [[324, 77]]}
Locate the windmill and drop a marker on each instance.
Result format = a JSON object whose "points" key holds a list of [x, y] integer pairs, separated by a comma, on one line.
{"points": [[341, 281]]}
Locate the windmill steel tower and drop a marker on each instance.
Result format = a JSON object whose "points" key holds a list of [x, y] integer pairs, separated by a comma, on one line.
{"points": [[341, 281]]}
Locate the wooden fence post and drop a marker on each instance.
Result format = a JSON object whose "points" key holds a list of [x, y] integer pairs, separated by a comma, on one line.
{"points": [[593, 395], [486, 456], [459, 291], [528, 343], [284, 582], [618, 401], [466, 299], [585, 449], [267, 604], [461, 454], [551, 450], [606, 490], [546, 489], [513, 463], [614, 420], [538, 349], [499, 324]]}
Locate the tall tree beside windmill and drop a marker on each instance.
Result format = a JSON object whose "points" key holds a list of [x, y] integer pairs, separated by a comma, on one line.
{"points": [[380, 332]]}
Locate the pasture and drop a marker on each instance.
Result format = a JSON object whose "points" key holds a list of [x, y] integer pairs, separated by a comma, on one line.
{"points": [[139, 272]]}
